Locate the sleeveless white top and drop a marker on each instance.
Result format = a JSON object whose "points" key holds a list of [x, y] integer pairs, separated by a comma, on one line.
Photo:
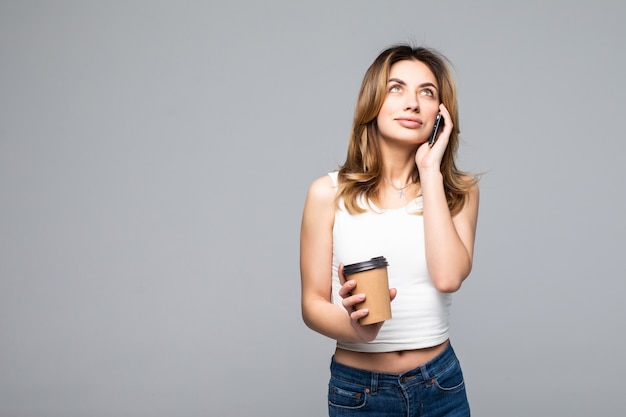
{"points": [[419, 311]]}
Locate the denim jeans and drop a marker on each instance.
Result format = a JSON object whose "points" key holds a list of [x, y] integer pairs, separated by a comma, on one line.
{"points": [[435, 389]]}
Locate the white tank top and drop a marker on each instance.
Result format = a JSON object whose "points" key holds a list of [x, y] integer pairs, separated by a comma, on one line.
{"points": [[419, 311]]}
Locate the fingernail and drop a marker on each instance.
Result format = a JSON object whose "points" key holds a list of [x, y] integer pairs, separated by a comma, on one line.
{"points": [[361, 296]]}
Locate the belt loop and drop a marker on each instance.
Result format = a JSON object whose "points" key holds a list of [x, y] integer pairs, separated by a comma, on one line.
{"points": [[425, 374], [374, 384]]}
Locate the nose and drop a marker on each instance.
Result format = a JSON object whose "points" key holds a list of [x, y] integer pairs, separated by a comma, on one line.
{"points": [[412, 103]]}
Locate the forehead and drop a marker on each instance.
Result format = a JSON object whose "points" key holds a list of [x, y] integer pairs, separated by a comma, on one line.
{"points": [[412, 71]]}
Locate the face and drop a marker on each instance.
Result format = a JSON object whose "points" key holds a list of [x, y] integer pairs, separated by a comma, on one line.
{"points": [[411, 105]]}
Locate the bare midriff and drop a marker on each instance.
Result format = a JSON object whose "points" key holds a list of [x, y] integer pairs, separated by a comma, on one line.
{"points": [[389, 362]]}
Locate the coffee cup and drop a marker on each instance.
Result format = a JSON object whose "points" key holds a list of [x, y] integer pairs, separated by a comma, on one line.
{"points": [[371, 279]]}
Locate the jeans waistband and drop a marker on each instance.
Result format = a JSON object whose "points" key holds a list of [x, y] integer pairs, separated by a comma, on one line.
{"points": [[425, 372]]}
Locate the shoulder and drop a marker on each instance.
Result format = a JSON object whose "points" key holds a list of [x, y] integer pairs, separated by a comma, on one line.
{"points": [[472, 187], [319, 208], [471, 197], [323, 188], [469, 183], [321, 198]]}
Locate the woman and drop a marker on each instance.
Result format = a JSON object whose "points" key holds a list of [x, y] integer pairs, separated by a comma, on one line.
{"points": [[400, 197]]}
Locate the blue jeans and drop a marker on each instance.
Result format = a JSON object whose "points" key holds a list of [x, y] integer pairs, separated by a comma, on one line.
{"points": [[435, 389]]}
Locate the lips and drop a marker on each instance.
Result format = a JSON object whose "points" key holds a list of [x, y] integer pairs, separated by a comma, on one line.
{"points": [[409, 122]]}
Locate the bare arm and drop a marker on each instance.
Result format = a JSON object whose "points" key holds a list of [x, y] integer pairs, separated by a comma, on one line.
{"points": [[449, 239], [316, 243]]}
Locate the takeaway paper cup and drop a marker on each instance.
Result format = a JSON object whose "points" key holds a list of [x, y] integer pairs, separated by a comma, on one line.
{"points": [[371, 279]]}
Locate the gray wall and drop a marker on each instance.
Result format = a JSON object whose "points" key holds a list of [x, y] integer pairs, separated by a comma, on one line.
{"points": [[154, 159]]}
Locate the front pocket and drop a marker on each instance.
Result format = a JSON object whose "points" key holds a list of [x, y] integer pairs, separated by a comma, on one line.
{"points": [[345, 395], [450, 380]]}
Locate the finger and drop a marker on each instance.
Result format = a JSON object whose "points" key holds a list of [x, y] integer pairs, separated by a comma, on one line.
{"points": [[446, 116], [346, 288], [350, 302], [392, 293], [444, 110], [359, 314], [342, 278]]}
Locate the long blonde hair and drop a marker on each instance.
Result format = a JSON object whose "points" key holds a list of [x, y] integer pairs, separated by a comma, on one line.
{"points": [[361, 174]]}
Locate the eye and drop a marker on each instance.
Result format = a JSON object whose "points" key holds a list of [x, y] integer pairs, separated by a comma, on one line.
{"points": [[428, 92], [395, 88]]}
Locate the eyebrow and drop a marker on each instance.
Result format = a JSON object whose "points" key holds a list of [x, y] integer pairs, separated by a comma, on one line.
{"points": [[399, 81]]}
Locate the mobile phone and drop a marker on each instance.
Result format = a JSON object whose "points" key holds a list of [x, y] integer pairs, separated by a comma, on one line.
{"points": [[433, 136]]}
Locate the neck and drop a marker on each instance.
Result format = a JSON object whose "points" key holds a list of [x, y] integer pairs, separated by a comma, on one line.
{"points": [[398, 167], [400, 189], [399, 176]]}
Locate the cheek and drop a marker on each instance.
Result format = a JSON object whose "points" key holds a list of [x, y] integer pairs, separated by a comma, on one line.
{"points": [[383, 124], [383, 113], [430, 110], [386, 107]]}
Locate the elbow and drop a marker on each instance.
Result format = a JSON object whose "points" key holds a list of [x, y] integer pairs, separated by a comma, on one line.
{"points": [[308, 322], [448, 286], [305, 317], [449, 282], [308, 317]]}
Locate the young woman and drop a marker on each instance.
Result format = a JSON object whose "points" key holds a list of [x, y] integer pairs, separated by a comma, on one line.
{"points": [[399, 197]]}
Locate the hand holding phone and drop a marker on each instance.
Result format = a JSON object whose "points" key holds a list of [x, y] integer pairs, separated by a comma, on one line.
{"points": [[433, 136]]}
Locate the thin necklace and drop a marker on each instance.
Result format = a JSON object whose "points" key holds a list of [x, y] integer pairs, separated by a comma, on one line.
{"points": [[400, 190]]}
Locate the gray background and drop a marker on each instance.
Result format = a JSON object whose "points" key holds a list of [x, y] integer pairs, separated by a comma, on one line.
{"points": [[154, 159]]}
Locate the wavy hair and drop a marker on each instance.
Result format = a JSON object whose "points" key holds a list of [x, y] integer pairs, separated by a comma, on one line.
{"points": [[361, 174]]}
